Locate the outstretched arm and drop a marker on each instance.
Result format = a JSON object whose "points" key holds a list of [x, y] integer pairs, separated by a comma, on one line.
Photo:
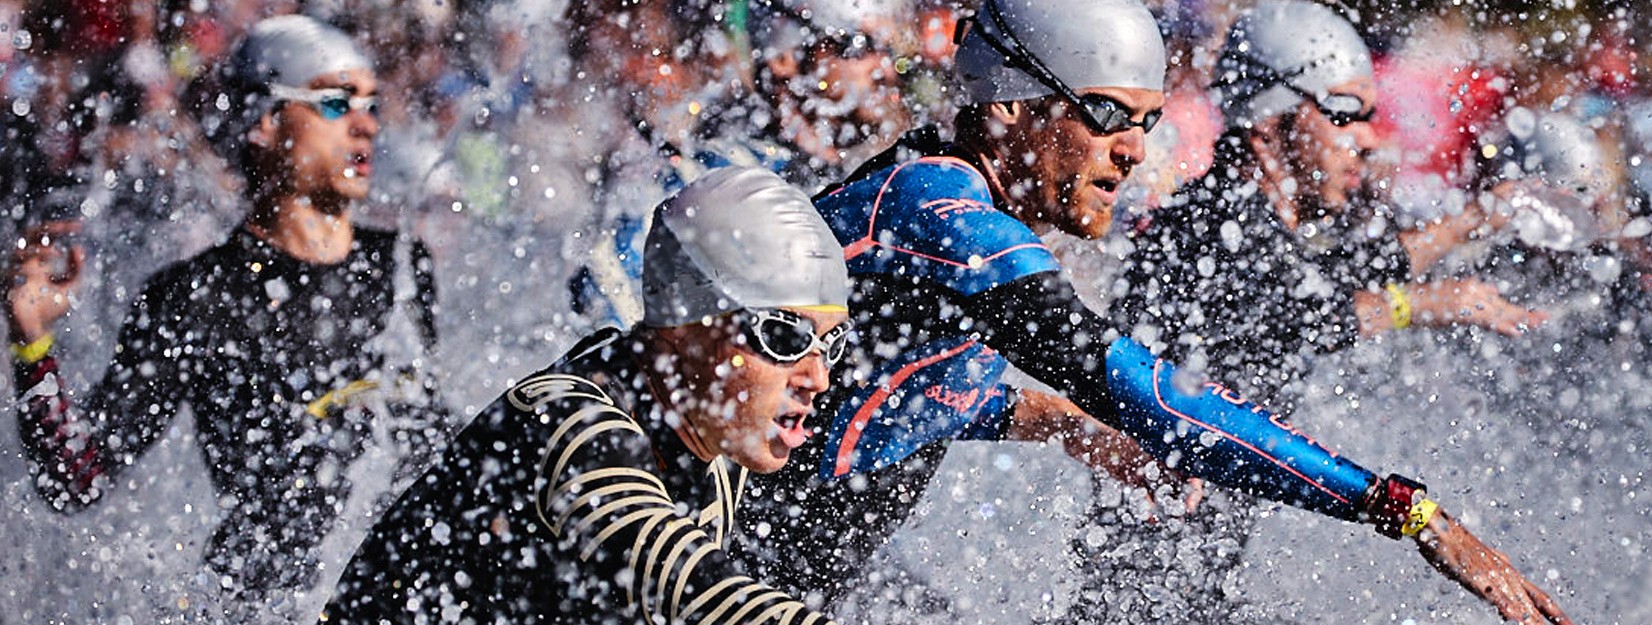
{"points": [[1206, 430], [1462, 301]]}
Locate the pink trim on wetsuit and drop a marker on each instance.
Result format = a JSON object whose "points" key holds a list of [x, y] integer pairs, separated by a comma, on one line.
{"points": [[1158, 365], [851, 434]]}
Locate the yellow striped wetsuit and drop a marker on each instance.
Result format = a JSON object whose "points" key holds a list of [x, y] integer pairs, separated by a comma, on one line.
{"points": [[566, 501]]}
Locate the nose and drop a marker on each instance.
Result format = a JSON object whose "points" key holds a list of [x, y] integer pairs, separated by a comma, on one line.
{"points": [[363, 123], [1365, 135], [809, 376], [1128, 147]]}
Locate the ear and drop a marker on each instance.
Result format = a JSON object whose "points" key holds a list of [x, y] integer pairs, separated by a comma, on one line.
{"points": [[1006, 113]]}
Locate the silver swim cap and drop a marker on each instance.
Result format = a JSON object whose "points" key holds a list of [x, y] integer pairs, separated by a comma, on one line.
{"points": [[739, 238], [1278, 45], [1083, 43], [289, 50]]}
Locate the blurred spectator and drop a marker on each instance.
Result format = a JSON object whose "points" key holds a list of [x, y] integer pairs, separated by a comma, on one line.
{"points": [[1435, 95], [826, 96]]}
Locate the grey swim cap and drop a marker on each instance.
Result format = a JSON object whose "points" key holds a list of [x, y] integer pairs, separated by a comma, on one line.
{"points": [[1289, 41], [1084, 43], [739, 238], [289, 50]]}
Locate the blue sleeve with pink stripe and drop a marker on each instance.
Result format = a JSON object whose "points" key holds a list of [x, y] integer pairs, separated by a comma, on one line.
{"points": [[932, 218], [1217, 435]]}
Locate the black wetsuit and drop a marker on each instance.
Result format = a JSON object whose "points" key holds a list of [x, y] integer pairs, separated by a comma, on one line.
{"points": [[569, 500], [1218, 282], [286, 366]]}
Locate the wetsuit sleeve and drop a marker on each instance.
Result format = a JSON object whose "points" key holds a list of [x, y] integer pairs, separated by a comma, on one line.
{"points": [[1041, 326], [74, 450], [420, 427], [599, 489], [424, 280]]}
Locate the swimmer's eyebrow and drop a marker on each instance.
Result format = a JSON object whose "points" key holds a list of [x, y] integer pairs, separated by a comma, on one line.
{"points": [[345, 84]]}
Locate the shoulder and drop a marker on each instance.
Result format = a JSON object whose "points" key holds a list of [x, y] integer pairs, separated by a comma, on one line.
{"points": [[542, 392], [588, 373], [577, 390], [910, 184], [206, 271], [933, 217]]}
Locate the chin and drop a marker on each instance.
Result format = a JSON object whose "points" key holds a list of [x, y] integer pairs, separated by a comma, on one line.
{"points": [[1090, 229], [1095, 229], [352, 190], [764, 463]]}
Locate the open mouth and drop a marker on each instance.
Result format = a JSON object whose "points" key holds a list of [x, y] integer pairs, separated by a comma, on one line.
{"points": [[1107, 186], [361, 164], [790, 429]]}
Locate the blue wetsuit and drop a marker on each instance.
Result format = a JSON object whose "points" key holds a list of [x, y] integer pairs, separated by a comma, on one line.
{"points": [[948, 291]]}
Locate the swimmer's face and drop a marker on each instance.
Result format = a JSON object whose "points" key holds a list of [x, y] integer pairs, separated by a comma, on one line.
{"points": [[1060, 173], [1328, 159], [328, 155], [737, 401]]}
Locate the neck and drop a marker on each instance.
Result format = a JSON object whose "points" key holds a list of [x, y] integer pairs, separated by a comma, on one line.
{"points": [[667, 404], [297, 226], [694, 442], [987, 162]]}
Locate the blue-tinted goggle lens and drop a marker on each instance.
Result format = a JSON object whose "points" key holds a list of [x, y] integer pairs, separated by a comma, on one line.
{"points": [[334, 107]]}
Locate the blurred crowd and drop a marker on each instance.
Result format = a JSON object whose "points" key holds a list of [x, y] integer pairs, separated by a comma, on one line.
{"points": [[530, 111]]}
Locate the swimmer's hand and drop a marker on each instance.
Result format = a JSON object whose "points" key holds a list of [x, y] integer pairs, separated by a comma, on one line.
{"points": [[1486, 572], [42, 276]]}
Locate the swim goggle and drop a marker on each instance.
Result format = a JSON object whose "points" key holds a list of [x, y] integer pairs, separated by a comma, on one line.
{"points": [[331, 103], [1341, 109], [786, 337], [1103, 115]]}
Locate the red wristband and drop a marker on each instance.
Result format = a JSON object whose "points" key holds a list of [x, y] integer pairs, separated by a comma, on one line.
{"points": [[1388, 503]]}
